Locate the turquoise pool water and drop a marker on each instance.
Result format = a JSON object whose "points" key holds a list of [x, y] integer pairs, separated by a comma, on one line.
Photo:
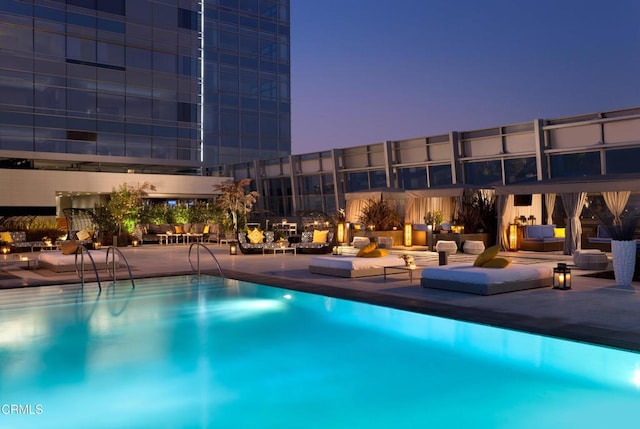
{"points": [[177, 353]]}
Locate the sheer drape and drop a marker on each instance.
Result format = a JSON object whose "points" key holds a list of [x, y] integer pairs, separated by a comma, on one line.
{"points": [[550, 203], [616, 202], [573, 203], [353, 210], [417, 208]]}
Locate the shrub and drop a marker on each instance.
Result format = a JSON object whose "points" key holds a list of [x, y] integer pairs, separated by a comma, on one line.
{"points": [[382, 214]]}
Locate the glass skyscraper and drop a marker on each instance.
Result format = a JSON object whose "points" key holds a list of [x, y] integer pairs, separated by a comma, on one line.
{"points": [[247, 100], [154, 86]]}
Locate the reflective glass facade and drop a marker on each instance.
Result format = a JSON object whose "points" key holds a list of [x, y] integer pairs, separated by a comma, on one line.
{"points": [[115, 85], [247, 100]]}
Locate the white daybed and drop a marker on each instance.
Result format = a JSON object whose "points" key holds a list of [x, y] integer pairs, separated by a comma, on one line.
{"points": [[352, 266], [486, 281], [59, 263]]}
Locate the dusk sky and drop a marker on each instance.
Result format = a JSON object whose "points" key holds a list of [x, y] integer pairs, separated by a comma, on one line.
{"points": [[365, 71]]}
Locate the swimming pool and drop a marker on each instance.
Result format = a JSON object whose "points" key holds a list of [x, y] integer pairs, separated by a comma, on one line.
{"points": [[178, 353]]}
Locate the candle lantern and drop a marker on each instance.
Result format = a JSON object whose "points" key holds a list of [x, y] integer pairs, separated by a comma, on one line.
{"points": [[513, 236], [341, 232], [561, 277], [233, 249], [408, 234]]}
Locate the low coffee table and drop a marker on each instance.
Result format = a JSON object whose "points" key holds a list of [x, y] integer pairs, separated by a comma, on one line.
{"points": [[30, 262], [400, 269]]}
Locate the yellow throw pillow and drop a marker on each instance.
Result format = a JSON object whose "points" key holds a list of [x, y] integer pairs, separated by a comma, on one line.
{"points": [[377, 253], [366, 249], [178, 229], [6, 237], [497, 263], [558, 232], [255, 236], [486, 256], [83, 234], [320, 236], [70, 247], [205, 230]]}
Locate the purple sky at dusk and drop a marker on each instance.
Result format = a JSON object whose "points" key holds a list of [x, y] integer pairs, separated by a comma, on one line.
{"points": [[365, 71]]}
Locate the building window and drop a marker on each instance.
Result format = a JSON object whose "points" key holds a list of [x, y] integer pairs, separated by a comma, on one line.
{"points": [[412, 178], [483, 173], [575, 164], [440, 175], [186, 112], [520, 170], [187, 19], [623, 161]]}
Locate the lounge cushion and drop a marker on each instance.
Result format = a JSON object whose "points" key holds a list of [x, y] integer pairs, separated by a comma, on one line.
{"points": [[320, 236], [539, 231], [486, 281], [366, 249], [497, 263], [83, 235], [255, 236], [377, 253], [486, 256], [69, 248]]}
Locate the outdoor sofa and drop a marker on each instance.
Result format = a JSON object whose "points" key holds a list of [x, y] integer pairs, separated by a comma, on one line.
{"points": [[18, 240], [315, 242], [542, 238]]}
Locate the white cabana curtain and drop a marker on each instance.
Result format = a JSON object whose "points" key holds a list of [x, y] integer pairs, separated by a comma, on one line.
{"points": [[353, 210], [417, 208], [573, 203], [550, 203], [616, 202], [357, 201], [534, 209], [504, 217]]}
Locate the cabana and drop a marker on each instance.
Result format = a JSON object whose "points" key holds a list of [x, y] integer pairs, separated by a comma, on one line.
{"points": [[572, 194], [356, 201]]}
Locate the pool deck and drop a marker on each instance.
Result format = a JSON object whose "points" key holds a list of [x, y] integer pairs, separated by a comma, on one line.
{"points": [[595, 310]]}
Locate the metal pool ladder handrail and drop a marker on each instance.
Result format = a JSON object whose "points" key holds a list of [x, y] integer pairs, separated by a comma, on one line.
{"points": [[200, 245], [111, 269], [80, 272]]}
